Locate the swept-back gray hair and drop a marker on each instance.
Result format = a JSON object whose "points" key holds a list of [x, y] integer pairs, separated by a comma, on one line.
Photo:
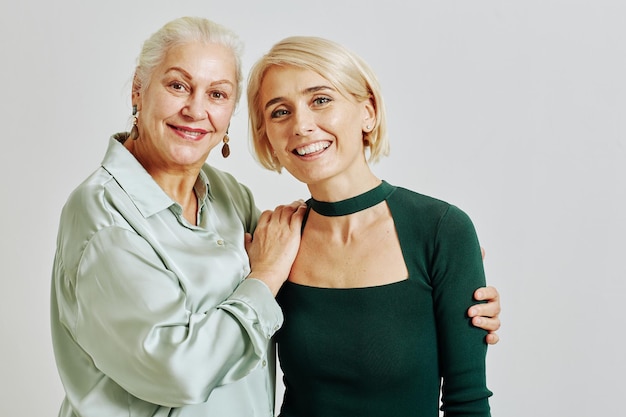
{"points": [[180, 31]]}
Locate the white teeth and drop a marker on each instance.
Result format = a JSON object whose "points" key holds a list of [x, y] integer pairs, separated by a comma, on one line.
{"points": [[314, 147], [190, 133]]}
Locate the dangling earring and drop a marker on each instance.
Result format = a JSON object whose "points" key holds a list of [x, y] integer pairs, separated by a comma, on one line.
{"points": [[134, 132], [225, 147]]}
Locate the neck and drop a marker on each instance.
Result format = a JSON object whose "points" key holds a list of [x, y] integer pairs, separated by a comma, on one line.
{"points": [[352, 205], [177, 182], [338, 189]]}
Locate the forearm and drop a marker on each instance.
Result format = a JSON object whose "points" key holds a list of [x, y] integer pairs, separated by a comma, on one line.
{"points": [[135, 321]]}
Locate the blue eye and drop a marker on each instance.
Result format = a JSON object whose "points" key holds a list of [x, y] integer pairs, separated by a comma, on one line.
{"points": [[322, 100], [278, 113]]}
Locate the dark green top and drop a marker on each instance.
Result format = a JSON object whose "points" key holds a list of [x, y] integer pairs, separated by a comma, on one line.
{"points": [[384, 350]]}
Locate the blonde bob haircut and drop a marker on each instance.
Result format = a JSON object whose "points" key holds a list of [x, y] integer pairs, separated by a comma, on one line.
{"points": [[345, 70], [182, 31]]}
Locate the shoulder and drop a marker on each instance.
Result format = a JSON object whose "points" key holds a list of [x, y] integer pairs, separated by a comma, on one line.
{"points": [[406, 202], [416, 200], [227, 192], [88, 199], [222, 182], [86, 212], [415, 208]]}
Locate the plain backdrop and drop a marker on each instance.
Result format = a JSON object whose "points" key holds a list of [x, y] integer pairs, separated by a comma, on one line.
{"points": [[513, 110]]}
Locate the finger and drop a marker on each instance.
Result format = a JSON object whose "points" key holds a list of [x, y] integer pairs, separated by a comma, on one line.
{"points": [[482, 252], [291, 206], [486, 293], [492, 338], [486, 323], [285, 213], [265, 217], [491, 309], [247, 240], [298, 217], [297, 203]]}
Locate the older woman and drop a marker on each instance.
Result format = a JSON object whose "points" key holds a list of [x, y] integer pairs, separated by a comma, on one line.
{"points": [[156, 308], [376, 302], [162, 304]]}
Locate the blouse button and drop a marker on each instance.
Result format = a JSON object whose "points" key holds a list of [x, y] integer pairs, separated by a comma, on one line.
{"points": [[220, 242], [264, 363]]}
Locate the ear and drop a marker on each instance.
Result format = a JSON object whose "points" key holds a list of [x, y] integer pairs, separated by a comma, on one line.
{"points": [[135, 97], [369, 116]]}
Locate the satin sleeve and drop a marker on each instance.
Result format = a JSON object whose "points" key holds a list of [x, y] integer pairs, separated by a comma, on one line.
{"points": [[133, 319]]}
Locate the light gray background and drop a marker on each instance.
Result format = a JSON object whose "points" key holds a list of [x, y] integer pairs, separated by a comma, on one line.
{"points": [[512, 110]]}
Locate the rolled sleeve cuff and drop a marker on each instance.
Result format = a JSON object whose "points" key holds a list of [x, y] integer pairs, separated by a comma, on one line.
{"points": [[258, 297]]}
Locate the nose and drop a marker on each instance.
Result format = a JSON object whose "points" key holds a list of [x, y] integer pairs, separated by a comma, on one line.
{"points": [[195, 107], [304, 122]]}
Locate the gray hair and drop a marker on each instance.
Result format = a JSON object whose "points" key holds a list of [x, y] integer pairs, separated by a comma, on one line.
{"points": [[180, 31]]}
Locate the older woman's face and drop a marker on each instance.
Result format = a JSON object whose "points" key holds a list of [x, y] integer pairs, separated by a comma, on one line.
{"points": [[185, 110]]}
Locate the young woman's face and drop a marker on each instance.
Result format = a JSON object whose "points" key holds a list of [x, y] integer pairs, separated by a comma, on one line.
{"points": [[315, 131], [185, 110]]}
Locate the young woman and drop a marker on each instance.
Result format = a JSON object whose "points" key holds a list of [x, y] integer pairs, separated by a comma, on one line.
{"points": [[376, 301]]}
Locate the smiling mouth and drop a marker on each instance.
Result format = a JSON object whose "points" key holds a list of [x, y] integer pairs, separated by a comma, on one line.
{"points": [[312, 148], [189, 132]]}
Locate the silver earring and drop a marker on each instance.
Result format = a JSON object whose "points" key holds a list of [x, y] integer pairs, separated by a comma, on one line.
{"points": [[225, 147], [368, 127], [134, 132]]}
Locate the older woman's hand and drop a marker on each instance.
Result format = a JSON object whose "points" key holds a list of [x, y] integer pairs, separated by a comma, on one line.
{"points": [[274, 246], [487, 315]]}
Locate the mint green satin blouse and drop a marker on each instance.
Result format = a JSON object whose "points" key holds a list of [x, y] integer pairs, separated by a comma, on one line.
{"points": [[151, 315]]}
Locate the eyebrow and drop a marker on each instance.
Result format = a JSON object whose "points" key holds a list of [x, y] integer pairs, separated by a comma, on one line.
{"points": [[188, 76], [306, 91]]}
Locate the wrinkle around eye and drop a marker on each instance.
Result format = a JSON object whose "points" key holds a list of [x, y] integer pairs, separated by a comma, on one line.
{"points": [[178, 87]]}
